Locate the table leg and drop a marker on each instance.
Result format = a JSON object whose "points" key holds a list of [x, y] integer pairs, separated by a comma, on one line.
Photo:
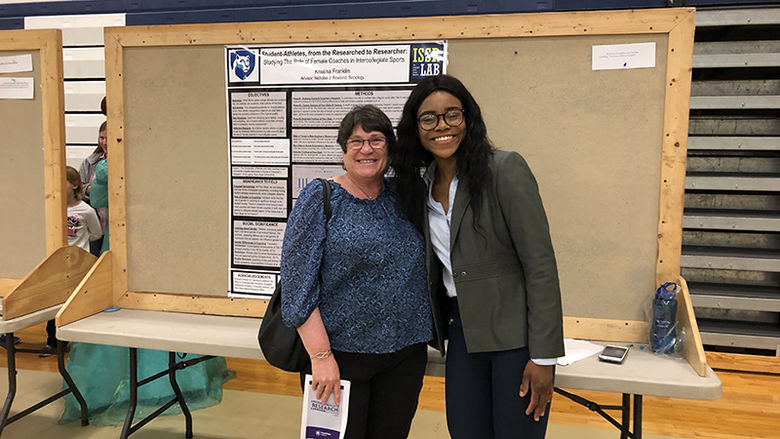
{"points": [[71, 385], [133, 394], [9, 399], [179, 396], [625, 415], [173, 366], [637, 416]]}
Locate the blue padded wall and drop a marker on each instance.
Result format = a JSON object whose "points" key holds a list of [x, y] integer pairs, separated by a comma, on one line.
{"points": [[145, 12]]}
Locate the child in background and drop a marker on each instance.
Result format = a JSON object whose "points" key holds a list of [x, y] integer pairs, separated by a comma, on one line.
{"points": [[83, 223], [83, 227]]}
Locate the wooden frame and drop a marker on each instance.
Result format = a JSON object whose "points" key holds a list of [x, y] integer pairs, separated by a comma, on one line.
{"points": [[49, 43], [676, 24]]}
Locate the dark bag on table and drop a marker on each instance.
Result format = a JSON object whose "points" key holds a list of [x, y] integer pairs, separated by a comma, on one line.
{"points": [[282, 346]]}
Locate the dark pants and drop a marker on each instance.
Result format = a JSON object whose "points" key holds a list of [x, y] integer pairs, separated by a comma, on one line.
{"points": [[95, 246], [51, 333], [384, 389], [482, 392]]}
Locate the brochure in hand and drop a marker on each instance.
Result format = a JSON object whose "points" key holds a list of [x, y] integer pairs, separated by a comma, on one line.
{"points": [[324, 421]]}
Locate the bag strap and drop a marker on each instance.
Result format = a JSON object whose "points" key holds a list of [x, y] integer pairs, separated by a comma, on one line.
{"points": [[325, 197]]}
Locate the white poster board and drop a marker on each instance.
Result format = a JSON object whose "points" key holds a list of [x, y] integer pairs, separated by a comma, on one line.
{"points": [[285, 104]]}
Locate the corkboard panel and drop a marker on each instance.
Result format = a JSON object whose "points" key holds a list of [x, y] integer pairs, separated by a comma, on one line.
{"points": [[593, 139], [585, 133], [176, 162], [22, 188]]}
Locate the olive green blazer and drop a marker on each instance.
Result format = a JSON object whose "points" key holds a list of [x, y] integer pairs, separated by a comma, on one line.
{"points": [[503, 266]]}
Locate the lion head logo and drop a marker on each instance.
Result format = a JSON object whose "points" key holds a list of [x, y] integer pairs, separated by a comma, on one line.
{"points": [[243, 63]]}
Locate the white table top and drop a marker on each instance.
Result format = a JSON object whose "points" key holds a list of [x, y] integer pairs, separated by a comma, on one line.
{"points": [[169, 331], [28, 320], [641, 373]]}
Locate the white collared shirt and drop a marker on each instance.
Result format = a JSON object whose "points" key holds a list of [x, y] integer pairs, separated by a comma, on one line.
{"points": [[439, 223]]}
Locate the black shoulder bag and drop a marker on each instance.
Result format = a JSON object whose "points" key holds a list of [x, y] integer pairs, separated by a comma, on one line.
{"points": [[282, 346]]}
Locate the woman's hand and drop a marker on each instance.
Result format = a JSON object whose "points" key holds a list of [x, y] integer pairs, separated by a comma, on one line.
{"points": [[540, 380], [326, 379]]}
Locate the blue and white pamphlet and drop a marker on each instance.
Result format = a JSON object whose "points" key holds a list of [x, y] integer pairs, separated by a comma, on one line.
{"points": [[324, 421]]}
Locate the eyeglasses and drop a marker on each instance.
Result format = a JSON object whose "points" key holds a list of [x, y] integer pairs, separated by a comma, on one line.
{"points": [[374, 142], [429, 121]]}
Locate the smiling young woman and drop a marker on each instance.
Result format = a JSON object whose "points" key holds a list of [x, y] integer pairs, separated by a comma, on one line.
{"points": [[491, 266]]}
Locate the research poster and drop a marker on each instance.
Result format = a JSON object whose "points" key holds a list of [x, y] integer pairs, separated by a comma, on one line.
{"points": [[284, 105]]}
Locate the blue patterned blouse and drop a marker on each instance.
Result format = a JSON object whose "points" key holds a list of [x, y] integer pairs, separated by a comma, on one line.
{"points": [[365, 270]]}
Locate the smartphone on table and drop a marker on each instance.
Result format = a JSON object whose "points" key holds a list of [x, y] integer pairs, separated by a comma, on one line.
{"points": [[613, 354]]}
